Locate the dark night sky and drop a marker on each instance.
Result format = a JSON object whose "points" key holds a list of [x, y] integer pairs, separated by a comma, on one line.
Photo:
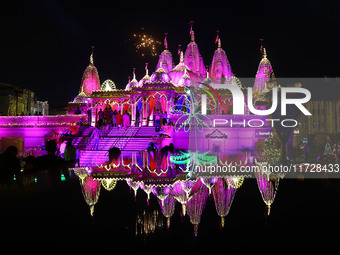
{"points": [[46, 44]]}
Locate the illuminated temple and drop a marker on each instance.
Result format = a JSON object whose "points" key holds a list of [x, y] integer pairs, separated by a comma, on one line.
{"points": [[165, 87], [177, 89]]}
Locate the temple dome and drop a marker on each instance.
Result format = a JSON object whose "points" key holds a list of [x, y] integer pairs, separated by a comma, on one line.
{"points": [[185, 80], [133, 83], [90, 80], [146, 77], [160, 76], [207, 81], [81, 98], [179, 71]]}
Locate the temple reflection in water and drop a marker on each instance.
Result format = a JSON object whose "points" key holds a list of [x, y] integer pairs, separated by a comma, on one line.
{"points": [[156, 174]]}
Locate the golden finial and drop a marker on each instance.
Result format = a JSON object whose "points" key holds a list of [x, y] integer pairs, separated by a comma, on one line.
{"points": [[219, 44], [264, 53], [91, 56], [181, 57]]}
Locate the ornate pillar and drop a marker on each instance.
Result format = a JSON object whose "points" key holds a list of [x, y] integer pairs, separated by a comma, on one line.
{"points": [[170, 102], [151, 121], [93, 113], [144, 110], [133, 110]]}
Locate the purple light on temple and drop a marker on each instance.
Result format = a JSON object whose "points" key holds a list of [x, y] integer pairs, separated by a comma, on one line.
{"points": [[160, 76], [90, 80], [263, 74]]}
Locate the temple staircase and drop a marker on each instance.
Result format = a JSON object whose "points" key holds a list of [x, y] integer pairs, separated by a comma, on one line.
{"points": [[130, 139]]}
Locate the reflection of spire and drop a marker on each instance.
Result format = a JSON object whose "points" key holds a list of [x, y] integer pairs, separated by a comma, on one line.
{"points": [[223, 198], [168, 208], [184, 190], [91, 190], [195, 207], [268, 188]]}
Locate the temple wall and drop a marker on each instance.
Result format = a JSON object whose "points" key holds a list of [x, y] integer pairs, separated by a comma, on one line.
{"points": [[32, 129]]}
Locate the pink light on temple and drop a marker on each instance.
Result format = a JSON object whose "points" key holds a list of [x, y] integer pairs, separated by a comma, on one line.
{"points": [[193, 58], [90, 80], [220, 66], [264, 73], [165, 58], [181, 74], [160, 76]]}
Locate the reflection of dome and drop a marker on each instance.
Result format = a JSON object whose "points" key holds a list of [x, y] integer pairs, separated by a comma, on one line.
{"points": [[160, 76], [90, 80], [108, 85]]}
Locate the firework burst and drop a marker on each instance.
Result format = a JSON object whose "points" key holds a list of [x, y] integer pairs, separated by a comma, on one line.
{"points": [[146, 45]]}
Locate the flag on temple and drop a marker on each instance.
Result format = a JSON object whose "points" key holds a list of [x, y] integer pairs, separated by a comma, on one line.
{"points": [[217, 37]]}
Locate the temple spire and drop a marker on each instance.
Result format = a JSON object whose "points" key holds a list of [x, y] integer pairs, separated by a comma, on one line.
{"points": [[261, 48], [264, 53], [91, 56], [146, 69], [166, 41], [192, 33], [219, 44], [134, 73]]}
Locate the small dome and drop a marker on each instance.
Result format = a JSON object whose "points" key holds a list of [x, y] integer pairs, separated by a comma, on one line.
{"points": [[145, 79], [207, 81], [81, 98], [133, 83], [179, 71], [185, 80], [160, 76], [108, 85]]}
